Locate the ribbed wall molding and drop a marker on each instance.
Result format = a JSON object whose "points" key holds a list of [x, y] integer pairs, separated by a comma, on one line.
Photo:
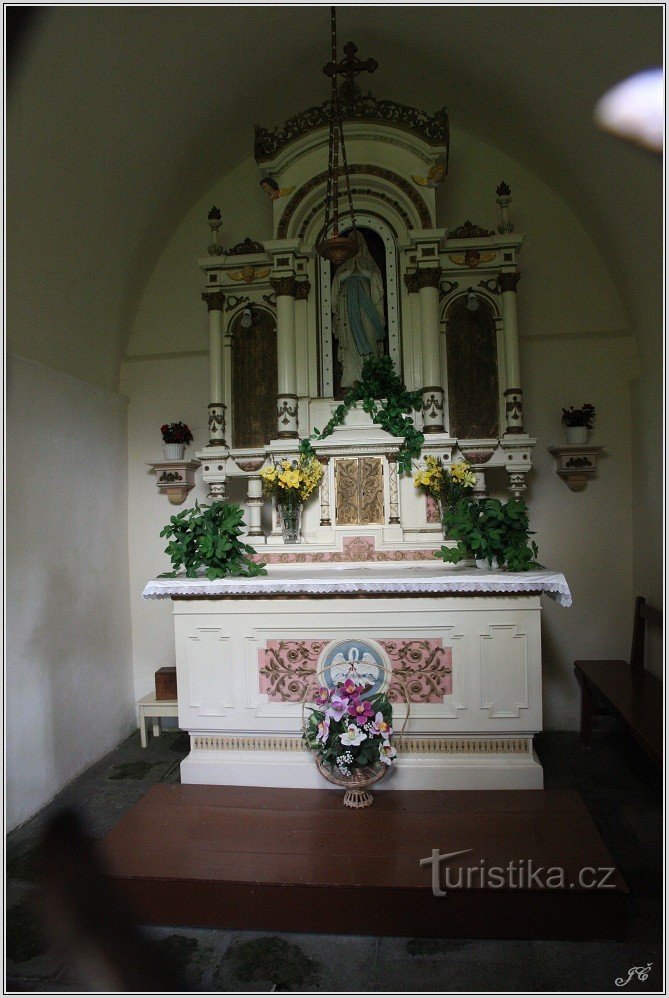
{"points": [[408, 746]]}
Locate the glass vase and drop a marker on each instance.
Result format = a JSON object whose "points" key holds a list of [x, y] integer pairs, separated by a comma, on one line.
{"points": [[291, 519]]}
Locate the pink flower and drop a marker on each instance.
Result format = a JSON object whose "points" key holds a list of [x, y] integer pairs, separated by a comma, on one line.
{"points": [[360, 710], [323, 730], [388, 753], [381, 727], [322, 696], [350, 689], [338, 707]]}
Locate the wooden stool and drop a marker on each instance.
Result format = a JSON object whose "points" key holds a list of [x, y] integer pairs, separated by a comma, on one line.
{"points": [[150, 707]]}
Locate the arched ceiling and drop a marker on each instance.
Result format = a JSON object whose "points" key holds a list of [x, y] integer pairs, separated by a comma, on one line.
{"points": [[119, 119]]}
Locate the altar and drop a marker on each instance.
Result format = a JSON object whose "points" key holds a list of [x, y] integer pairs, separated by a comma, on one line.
{"points": [[296, 314], [465, 644]]}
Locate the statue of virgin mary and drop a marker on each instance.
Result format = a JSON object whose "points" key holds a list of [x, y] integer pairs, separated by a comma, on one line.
{"points": [[358, 312]]}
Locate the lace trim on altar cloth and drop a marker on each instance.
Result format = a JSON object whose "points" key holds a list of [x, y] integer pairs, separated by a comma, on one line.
{"points": [[323, 580]]}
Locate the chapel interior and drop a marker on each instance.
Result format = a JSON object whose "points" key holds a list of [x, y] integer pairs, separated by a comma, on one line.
{"points": [[139, 216]]}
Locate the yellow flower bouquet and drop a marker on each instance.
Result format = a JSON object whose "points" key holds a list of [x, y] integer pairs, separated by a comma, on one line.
{"points": [[290, 483], [446, 485]]}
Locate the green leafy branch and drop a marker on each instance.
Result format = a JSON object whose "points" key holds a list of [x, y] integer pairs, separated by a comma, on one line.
{"points": [[385, 398], [208, 536], [488, 528]]}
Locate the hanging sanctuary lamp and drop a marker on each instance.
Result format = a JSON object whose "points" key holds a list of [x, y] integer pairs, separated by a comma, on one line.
{"points": [[336, 247]]}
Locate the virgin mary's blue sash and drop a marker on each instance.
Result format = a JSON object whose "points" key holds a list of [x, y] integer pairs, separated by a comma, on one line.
{"points": [[358, 303]]}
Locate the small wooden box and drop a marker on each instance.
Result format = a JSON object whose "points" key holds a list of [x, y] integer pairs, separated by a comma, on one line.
{"points": [[166, 683]]}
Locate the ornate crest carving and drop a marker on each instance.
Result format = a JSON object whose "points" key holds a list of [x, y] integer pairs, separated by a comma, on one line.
{"points": [[245, 248], [357, 107], [470, 231]]}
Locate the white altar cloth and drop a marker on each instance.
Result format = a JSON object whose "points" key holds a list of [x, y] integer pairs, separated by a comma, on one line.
{"points": [[377, 579]]}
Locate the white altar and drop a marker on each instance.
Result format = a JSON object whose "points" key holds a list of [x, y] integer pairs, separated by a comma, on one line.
{"points": [[363, 578], [466, 644]]}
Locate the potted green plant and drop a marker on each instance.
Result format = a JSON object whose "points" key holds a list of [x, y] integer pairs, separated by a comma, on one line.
{"points": [[206, 539], [498, 533], [176, 437], [578, 422]]}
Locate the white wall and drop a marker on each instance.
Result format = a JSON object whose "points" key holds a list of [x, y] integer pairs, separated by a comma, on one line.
{"points": [[587, 535], [575, 347], [68, 686]]}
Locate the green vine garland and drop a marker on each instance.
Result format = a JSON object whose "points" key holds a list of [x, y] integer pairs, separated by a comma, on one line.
{"points": [[387, 400]]}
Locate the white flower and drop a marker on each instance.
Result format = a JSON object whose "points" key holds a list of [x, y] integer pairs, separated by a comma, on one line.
{"points": [[388, 753], [353, 735]]}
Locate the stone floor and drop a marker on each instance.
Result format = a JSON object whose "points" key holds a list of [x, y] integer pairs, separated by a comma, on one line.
{"points": [[621, 789]]}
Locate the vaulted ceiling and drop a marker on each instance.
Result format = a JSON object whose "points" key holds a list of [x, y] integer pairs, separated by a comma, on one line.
{"points": [[119, 119]]}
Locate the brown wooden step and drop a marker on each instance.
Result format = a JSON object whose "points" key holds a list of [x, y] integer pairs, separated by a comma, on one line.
{"points": [[298, 860]]}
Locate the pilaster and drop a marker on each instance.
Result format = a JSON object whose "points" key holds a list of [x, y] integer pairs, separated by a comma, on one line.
{"points": [[508, 282], [215, 301]]}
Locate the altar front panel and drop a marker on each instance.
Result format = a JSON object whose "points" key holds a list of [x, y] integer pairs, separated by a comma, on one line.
{"points": [[470, 668]]}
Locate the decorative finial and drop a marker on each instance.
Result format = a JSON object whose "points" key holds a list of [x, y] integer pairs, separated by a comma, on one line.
{"points": [[214, 216], [504, 200]]}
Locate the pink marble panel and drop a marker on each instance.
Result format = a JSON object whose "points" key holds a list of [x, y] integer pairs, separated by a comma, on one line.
{"points": [[287, 668], [432, 512], [354, 549], [423, 665]]}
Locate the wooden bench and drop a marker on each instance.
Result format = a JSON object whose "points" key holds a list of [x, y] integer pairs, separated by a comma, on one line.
{"points": [[625, 689]]}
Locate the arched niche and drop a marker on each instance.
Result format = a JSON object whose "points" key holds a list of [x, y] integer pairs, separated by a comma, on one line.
{"points": [[382, 242], [473, 361], [254, 376]]}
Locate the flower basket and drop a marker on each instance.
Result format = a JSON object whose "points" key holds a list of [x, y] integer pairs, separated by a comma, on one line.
{"points": [[356, 785], [353, 752]]}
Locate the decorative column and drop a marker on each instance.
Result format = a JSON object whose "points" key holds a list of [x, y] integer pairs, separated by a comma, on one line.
{"points": [[215, 301], [411, 281], [508, 282], [326, 516], [286, 402], [302, 289], [480, 489], [393, 490], [427, 280], [254, 504]]}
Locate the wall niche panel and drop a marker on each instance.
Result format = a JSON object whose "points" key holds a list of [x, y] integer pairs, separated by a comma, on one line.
{"points": [[254, 379], [473, 382]]}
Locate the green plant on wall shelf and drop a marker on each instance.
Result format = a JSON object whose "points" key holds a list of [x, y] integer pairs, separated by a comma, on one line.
{"points": [[489, 529], [208, 537], [385, 398]]}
